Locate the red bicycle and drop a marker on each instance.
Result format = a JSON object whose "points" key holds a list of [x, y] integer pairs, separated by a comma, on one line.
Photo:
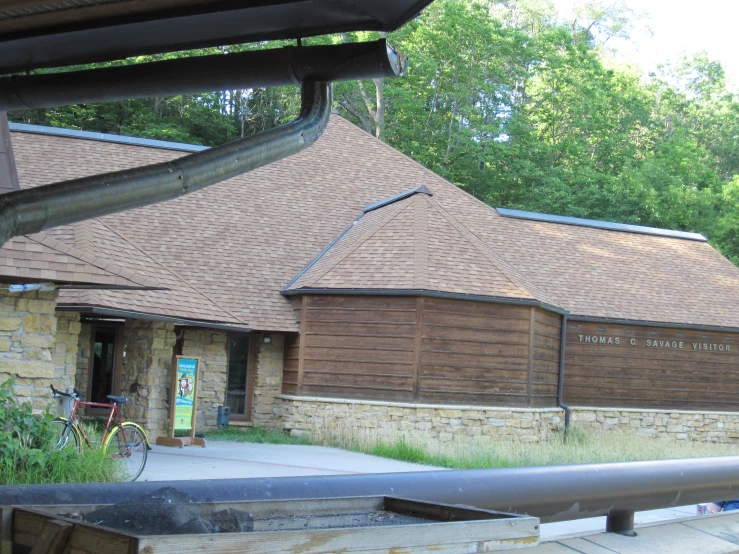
{"points": [[125, 442]]}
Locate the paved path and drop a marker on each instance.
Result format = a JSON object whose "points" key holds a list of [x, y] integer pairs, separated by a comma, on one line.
{"points": [[223, 460], [243, 460]]}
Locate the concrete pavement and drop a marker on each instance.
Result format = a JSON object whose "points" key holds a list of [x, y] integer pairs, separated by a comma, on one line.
{"points": [[221, 460]]}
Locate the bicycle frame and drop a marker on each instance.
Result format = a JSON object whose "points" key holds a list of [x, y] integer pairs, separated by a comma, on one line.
{"points": [[113, 412]]}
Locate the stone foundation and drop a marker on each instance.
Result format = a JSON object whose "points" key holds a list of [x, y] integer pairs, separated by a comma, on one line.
{"points": [[678, 425], [423, 422]]}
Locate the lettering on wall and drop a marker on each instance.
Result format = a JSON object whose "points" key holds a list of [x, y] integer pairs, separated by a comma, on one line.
{"points": [[664, 344]]}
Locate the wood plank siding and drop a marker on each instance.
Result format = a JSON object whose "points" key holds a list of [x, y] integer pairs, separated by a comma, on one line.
{"points": [[474, 353], [650, 367], [426, 350]]}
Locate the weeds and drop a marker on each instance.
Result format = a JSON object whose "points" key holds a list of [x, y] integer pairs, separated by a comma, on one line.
{"points": [[28, 454]]}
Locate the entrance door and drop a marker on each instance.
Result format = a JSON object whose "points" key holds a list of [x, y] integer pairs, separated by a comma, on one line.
{"points": [[105, 362], [238, 385]]}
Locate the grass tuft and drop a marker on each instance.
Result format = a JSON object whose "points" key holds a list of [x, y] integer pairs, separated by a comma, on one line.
{"points": [[254, 434]]}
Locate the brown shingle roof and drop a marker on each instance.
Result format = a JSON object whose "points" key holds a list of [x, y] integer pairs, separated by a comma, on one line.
{"points": [[228, 250], [414, 244]]}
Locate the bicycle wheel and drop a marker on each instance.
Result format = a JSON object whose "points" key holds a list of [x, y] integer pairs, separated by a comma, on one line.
{"points": [[67, 436], [127, 445]]}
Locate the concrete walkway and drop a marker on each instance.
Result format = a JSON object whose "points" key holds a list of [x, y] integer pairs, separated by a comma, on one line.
{"points": [[223, 460]]}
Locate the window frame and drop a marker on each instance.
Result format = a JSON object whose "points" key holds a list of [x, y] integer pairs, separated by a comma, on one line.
{"points": [[250, 371]]}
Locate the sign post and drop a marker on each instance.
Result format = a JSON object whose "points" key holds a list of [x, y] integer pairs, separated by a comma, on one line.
{"points": [[183, 403]]}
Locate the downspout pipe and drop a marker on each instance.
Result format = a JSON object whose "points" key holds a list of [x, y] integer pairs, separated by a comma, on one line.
{"points": [[259, 68], [561, 383], [35, 209]]}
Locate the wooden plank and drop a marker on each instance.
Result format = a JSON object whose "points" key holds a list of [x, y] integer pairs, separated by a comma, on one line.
{"points": [[459, 537], [359, 355], [375, 328], [546, 354], [475, 335], [53, 538], [457, 372], [366, 302], [364, 393], [457, 359], [6, 530], [475, 321], [478, 386], [358, 380], [467, 307], [359, 341], [376, 367], [550, 343], [530, 371], [548, 318], [362, 316], [473, 399], [478, 348]]}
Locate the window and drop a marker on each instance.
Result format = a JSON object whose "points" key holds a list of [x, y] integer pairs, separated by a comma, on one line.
{"points": [[238, 385], [105, 362]]}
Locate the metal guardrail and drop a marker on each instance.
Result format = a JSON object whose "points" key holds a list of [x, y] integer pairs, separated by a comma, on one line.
{"points": [[552, 493]]}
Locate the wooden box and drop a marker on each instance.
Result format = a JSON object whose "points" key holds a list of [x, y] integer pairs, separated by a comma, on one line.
{"points": [[366, 524]]}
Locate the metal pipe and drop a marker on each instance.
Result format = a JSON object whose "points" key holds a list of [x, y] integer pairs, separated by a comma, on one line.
{"points": [[32, 210], [259, 68], [553, 493], [561, 381]]}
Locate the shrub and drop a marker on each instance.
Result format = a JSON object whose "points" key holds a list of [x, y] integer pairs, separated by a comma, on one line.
{"points": [[28, 455]]}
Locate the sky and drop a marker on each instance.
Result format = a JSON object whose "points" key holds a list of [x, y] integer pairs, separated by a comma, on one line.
{"points": [[682, 26]]}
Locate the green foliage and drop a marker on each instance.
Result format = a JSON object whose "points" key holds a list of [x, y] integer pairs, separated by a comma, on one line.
{"points": [[255, 435], [27, 453]]}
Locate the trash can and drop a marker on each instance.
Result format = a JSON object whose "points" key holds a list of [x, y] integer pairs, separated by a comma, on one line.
{"points": [[224, 412]]}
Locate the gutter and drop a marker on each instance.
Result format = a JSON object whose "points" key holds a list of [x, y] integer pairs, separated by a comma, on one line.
{"points": [[561, 381], [127, 314], [426, 293], [33, 210]]}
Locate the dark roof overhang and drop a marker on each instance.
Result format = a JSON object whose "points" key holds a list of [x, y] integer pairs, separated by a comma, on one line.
{"points": [[428, 293], [127, 314], [38, 33]]}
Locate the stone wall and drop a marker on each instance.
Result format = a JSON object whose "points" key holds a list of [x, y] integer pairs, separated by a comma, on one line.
{"points": [[422, 422], [82, 375], [266, 401], [663, 424], [211, 348], [28, 348], [146, 375]]}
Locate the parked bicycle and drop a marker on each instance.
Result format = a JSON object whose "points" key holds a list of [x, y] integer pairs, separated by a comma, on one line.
{"points": [[125, 442]]}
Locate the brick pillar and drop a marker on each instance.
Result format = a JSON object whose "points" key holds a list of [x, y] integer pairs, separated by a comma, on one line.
{"points": [[268, 382], [146, 373]]}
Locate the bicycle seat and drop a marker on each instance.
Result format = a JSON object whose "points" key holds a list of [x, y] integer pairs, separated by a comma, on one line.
{"points": [[119, 399]]}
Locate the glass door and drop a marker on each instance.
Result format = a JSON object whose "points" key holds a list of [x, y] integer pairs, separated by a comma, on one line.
{"points": [[239, 375]]}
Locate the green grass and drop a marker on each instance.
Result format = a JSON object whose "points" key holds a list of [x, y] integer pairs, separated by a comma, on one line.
{"points": [[581, 447], [254, 434]]}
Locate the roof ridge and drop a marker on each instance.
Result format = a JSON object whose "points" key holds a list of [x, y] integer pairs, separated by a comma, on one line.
{"points": [[420, 243], [362, 239], [518, 280], [93, 260], [170, 272]]}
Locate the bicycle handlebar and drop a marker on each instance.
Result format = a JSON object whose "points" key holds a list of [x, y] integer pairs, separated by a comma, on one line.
{"points": [[55, 392]]}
